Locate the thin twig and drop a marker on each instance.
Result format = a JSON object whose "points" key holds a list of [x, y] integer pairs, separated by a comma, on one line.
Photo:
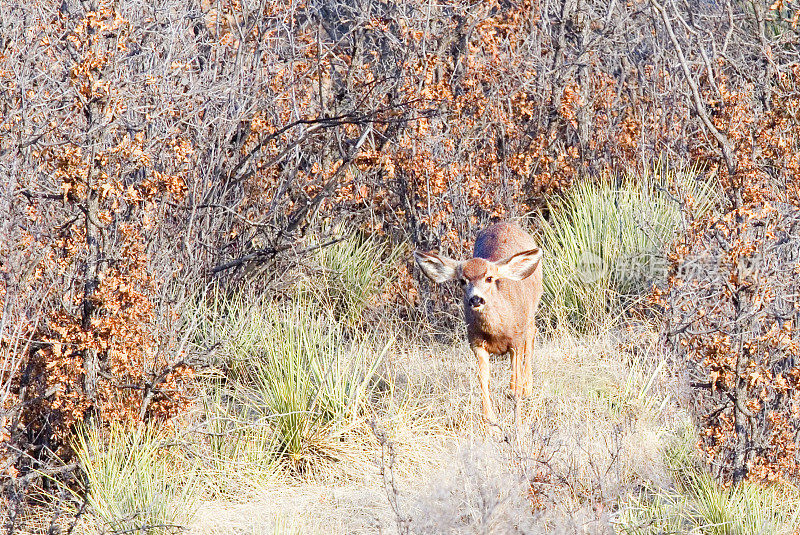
{"points": [[271, 252]]}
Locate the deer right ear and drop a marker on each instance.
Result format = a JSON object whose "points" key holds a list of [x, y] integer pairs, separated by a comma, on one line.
{"points": [[437, 268]]}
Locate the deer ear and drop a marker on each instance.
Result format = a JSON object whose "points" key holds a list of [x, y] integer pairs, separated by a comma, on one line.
{"points": [[437, 268], [519, 266]]}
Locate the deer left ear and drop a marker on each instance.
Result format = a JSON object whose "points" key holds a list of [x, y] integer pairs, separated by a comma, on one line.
{"points": [[519, 266]]}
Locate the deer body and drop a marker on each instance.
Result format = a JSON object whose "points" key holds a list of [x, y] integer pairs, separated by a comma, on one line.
{"points": [[502, 287]]}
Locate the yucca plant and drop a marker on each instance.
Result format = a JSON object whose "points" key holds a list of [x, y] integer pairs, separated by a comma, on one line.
{"points": [[240, 437], [701, 505], [137, 484], [352, 272], [293, 370], [605, 244], [313, 379]]}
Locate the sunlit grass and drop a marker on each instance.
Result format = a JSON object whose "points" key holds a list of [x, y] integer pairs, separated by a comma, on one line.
{"points": [[605, 244], [241, 441], [296, 381], [700, 504], [352, 272], [293, 378], [137, 481]]}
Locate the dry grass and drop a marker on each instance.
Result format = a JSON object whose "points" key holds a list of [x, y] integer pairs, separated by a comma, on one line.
{"points": [[298, 508], [604, 449], [595, 429], [418, 458]]}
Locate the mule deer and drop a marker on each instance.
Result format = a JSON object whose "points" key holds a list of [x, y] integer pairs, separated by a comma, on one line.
{"points": [[502, 287]]}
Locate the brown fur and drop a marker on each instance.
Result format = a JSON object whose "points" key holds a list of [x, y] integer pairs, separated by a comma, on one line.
{"points": [[503, 319], [506, 322]]}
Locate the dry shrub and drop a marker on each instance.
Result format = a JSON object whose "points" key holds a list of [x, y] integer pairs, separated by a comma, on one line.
{"points": [[733, 315], [93, 334], [491, 497]]}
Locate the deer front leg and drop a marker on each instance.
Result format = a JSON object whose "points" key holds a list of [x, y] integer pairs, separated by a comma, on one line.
{"points": [[517, 378], [527, 371], [512, 384], [483, 377], [517, 358]]}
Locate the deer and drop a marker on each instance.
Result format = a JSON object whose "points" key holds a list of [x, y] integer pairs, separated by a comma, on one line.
{"points": [[502, 287]]}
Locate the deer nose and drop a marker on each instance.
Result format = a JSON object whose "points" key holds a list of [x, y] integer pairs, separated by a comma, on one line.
{"points": [[475, 301]]}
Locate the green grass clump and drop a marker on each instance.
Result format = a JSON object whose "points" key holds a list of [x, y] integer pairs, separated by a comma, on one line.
{"points": [[352, 272], [135, 483], [704, 507], [294, 377], [295, 382], [605, 243], [240, 438]]}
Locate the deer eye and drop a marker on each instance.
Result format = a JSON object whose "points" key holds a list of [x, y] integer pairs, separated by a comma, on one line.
{"points": [[462, 282], [489, 279]]}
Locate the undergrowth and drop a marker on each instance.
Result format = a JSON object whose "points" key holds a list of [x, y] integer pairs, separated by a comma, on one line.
{"points": [[294, 383], [138, 481], [304, 388], [351, 273], [605, 245], [699, 504]]}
